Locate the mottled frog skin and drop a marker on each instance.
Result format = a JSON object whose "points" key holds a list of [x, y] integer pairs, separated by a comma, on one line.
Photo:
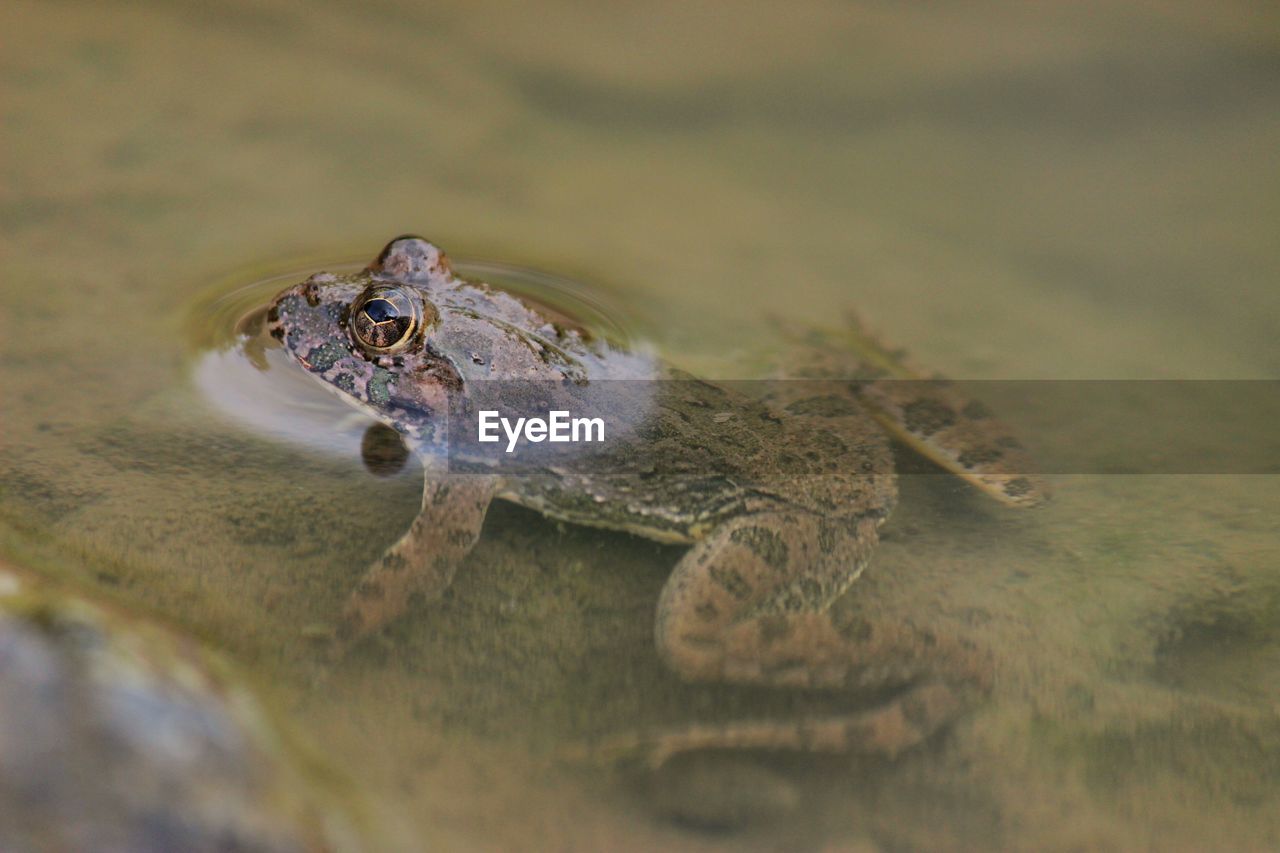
{"points": [[779, 496]]}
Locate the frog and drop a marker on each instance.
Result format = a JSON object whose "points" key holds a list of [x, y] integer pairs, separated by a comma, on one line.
{"points": [[778, 496]]}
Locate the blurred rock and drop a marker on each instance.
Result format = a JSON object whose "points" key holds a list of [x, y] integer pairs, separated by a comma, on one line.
{"points": [[117, 734]]}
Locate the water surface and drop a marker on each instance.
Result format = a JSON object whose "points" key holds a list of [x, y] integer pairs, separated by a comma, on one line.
{"points": [[1086, 191]]}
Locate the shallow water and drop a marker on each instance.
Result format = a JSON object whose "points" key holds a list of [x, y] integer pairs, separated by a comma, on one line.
{"points": [[1083, 192]]}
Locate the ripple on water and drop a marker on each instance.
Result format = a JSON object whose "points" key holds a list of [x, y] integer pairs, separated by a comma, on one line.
{"points": [[247, 379]]}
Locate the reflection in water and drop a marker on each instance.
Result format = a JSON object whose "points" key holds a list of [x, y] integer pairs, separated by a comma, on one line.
{"points": [[383, 451]]}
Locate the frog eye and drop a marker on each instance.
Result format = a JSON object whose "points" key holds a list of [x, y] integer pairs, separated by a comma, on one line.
{"points": [[385, 319]]}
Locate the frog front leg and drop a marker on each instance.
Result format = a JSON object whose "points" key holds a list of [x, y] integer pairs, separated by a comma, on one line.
{"points": [[749, 604], [422, 563]]}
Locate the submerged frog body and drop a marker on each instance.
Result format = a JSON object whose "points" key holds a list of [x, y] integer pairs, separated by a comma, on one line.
{"points": [[779, 496]]}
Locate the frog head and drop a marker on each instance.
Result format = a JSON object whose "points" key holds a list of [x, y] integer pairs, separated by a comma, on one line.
{"points": [[367, 338]]}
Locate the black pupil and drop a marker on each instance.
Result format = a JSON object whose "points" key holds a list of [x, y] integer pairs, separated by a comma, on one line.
{"points": [[380, 310]]}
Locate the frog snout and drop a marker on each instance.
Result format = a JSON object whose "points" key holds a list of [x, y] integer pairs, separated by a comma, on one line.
{"points": [[296, 313], [279, 310]]}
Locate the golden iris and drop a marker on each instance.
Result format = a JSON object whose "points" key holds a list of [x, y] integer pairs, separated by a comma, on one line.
{"points": [[385, 319]]}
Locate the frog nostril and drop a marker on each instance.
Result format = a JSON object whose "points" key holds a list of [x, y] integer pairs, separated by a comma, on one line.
{"points": [[311, 293]]}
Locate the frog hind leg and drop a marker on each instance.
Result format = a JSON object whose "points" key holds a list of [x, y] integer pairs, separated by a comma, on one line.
{"points": [[927, 413], [423, 561], [744, 607]]}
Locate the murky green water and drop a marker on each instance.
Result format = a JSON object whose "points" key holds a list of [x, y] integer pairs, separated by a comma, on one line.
{"points": [[1078, 191]]}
